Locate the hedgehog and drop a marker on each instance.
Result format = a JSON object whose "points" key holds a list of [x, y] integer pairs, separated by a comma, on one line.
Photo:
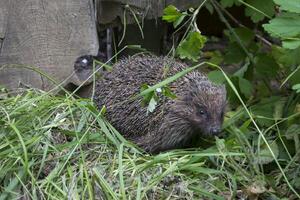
{"points": [[196, 112]]}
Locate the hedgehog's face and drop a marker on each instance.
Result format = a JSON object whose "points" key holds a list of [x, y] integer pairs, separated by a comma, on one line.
{"points": [[205, 110], [84, 63]]}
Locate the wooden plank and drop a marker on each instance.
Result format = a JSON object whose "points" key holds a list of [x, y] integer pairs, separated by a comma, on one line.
{"points": [[3, 17], [49, 35]]}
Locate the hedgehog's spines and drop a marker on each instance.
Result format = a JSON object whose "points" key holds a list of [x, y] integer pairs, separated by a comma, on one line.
{"points": [[174, 123]]}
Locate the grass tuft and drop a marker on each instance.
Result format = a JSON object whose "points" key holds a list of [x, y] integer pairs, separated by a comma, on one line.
{"points": [[56, 148]]}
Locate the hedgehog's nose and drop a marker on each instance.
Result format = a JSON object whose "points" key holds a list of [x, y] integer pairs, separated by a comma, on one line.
{"points": [[215, 131]]}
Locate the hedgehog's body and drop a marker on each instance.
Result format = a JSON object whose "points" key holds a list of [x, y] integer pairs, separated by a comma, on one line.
{"points": [[197, 110]]}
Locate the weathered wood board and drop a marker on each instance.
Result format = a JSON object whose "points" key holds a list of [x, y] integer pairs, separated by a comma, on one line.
{"points": [[50, 35]]}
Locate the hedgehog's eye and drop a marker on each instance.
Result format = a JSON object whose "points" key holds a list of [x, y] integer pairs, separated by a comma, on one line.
{"points": [[202, 112]]}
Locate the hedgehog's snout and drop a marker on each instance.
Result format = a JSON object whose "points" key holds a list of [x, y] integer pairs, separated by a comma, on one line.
{"points": [[215, 130]]}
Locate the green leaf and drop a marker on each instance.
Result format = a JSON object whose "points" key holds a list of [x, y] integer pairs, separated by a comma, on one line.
{"points": [[262, 90], [265, 110], [289, 5], [284, 26], [178, 21], [190, 47], [232, 97], [278, 109], [267, 7], [146, 96], [172, 14], [295, 78], [168, 93], [266, 65], [149, 98], [216, 57], [228, 3], [292, 131], [216, 76], [245, 87], [265, 156], [152, 105], [241, 72], [296, 87], [246, 35], [234, 53], [286, 57], [291, 44]]}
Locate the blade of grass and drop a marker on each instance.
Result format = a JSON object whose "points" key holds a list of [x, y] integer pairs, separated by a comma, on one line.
{"points": [[207, 193], [168, 80], [22, 144], [110, 194], [120, 169]]}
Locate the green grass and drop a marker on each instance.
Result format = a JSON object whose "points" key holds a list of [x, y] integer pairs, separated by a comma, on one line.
{"points": [[58, 147]]}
